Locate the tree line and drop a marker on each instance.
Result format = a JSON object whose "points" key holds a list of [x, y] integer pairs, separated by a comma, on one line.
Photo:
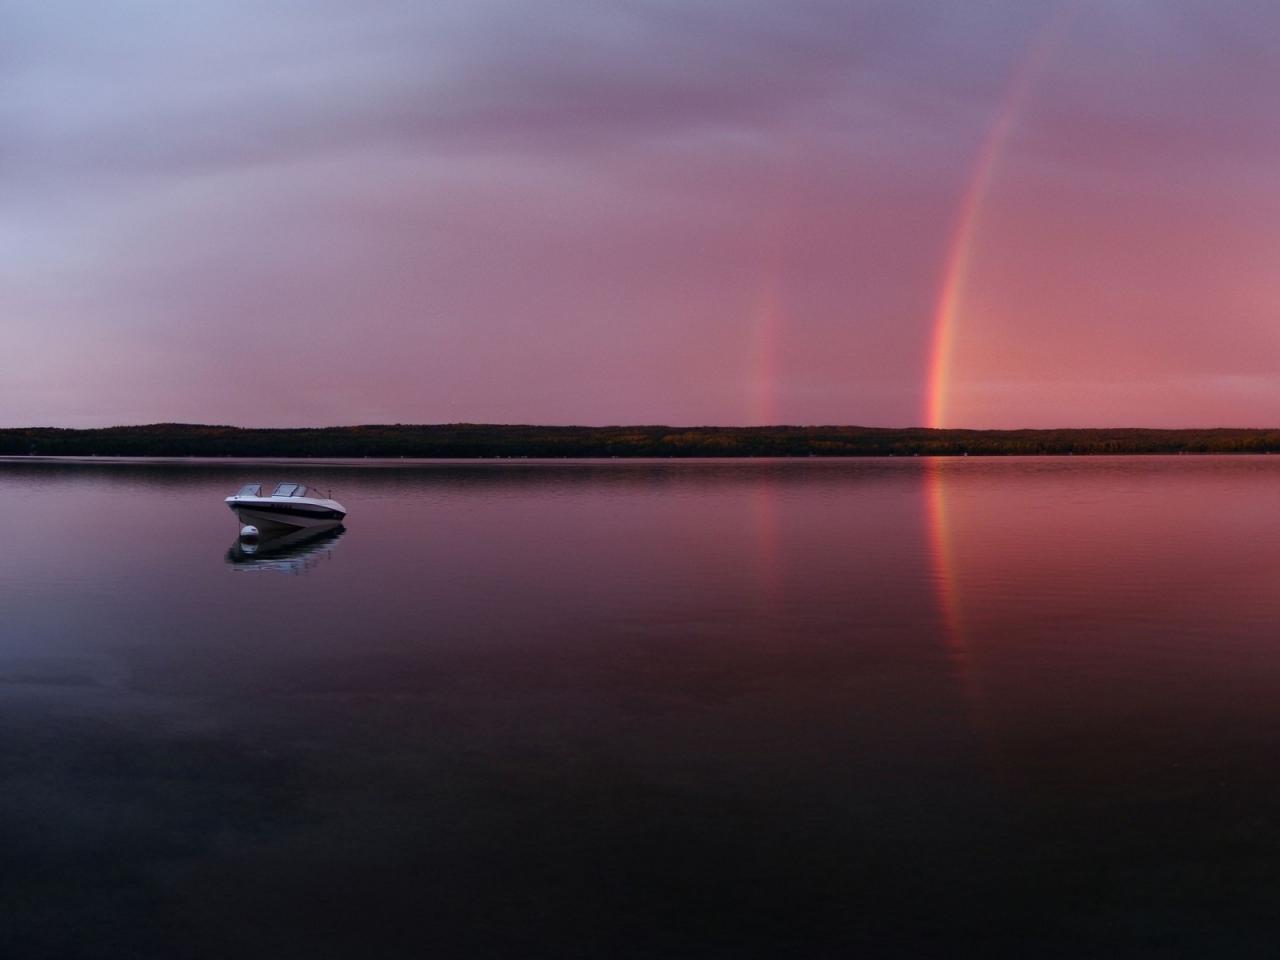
{"points": [[468, 440]]}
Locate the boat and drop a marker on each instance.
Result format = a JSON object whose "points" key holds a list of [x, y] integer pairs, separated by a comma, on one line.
{"points": [[290, 506]]}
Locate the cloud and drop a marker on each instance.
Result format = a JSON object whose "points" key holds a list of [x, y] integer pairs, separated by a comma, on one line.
{"points": [[572, 210], [136, 89]]}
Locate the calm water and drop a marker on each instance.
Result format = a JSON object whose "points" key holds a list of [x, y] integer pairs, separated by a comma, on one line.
{"points": [[807, 708]]}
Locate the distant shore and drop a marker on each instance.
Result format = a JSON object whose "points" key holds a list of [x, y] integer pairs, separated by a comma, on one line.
{"points": [[463, 440]]}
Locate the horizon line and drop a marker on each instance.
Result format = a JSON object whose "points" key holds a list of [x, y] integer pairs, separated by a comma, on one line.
{"points": [[642, 426]]}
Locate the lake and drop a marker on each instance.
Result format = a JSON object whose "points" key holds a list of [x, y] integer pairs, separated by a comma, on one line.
{"points": [[660, 709]]}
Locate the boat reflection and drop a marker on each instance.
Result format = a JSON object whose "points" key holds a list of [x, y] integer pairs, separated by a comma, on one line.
{"points": [[296, 552]]}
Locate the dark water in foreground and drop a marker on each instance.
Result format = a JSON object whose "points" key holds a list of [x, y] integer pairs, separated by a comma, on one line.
{"points": [[625, 709]]}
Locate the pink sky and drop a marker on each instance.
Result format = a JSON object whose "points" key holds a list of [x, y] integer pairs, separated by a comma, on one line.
{"points": [[675, 212]]}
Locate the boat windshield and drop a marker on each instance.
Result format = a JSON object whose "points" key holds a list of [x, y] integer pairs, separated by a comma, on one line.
{"points": [[290, 490], [250, 490]]}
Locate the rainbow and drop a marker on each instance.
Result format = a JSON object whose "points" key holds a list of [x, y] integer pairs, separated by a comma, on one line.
{"points": [[766, 323], [946, 314]]}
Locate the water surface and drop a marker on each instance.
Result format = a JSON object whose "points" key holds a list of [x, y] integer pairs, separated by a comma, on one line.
{"points": [[812, 708]]}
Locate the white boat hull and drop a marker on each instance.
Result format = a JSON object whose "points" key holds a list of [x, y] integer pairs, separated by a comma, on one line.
{"points": [[292, 521], [286, 513]]}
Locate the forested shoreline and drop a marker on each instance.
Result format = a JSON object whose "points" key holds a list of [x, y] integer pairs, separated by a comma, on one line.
{"points": [[493, 440]]}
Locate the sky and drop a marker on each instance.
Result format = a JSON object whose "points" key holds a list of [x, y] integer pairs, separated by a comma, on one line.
{"points": [[979, 213]]}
